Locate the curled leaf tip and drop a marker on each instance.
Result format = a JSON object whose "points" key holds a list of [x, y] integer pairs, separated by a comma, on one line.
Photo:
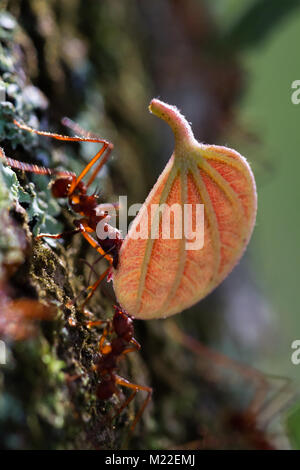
{"points": [[180, 126]]}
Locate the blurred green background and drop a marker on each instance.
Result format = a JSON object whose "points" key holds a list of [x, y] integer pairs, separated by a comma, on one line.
{"points": [[266, 109]]}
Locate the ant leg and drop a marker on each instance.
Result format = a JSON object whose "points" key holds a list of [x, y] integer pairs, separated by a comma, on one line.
{"points": [[221, 361], [105, 151], [81, 229], [136, 347], [77, 129], [125, 404], [104, 345], [90, 324], [124, 383], [100, 250], [59, 235], [60, 136], [92, 290], [128, 350], [91, 266], [31, 168], [97, 246], [282, 398], [136, 343], [93, 287], [106, 154]]}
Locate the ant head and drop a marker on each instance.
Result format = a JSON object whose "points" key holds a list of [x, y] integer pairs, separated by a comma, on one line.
{"points": [[118, 309], [122, 323], [61, 186]]}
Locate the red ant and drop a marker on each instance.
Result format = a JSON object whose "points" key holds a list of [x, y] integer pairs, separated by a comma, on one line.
{"points": [[120, 329], [116, 341], [67, 185]]}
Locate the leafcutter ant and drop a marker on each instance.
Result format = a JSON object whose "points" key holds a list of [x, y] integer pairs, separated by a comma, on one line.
{"points": [[68, 185], [116, 341]]}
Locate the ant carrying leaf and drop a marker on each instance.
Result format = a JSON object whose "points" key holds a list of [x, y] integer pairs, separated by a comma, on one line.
{"points": [[155, 278]]}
